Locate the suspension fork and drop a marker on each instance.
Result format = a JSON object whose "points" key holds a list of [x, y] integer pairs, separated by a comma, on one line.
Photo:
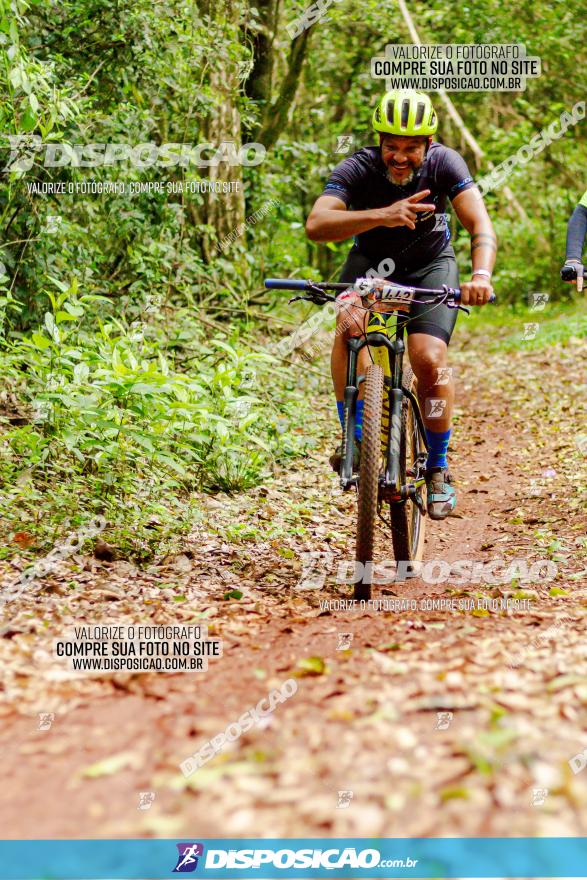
{"points": [[351, 393]]}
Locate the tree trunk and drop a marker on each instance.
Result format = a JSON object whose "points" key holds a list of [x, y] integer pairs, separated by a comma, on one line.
{"points": [[276, 117], [224, 212], [259, 85]]}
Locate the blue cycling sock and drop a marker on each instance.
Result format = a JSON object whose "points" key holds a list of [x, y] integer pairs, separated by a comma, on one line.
{"points": [[437, 448], [358, 418]]}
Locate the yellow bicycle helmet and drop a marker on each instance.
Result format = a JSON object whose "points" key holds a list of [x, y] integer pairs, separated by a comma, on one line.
{"points": [[407, 113]]}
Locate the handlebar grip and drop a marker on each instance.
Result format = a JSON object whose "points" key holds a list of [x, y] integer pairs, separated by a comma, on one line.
{"points": [[286, 284], [457, 296]]}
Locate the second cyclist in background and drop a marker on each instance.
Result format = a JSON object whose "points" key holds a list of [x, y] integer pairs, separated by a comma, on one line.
{"points": [[576, 233]]}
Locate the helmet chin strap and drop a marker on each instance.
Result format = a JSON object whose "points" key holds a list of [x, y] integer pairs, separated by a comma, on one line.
{"points": [[428, 145]]}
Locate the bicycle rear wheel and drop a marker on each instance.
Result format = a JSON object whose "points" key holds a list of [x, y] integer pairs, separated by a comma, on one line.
{"points": [[408, 526], [369, 471]]}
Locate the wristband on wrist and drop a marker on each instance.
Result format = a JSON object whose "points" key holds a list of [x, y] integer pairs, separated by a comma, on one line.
{"points": [[481, 272]]}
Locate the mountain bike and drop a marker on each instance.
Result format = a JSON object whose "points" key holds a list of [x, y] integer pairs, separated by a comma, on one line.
{"points": [[390, 481]]}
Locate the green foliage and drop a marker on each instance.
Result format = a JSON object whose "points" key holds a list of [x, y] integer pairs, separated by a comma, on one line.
{"points": [[502, 327], [111, 416]]}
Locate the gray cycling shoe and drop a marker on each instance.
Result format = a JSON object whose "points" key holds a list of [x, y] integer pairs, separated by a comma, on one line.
{"points": [[442, 498], [337, 455]]}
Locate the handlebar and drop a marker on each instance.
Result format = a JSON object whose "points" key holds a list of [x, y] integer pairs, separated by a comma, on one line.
{"points": [[298, 284], [399, 292], [573, 271]]}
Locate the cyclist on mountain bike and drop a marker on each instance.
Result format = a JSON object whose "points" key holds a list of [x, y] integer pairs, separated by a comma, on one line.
{"points": [[392, 199], [576, 232]]}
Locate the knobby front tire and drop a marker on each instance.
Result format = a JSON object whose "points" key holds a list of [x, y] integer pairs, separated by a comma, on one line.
{"points": [[369, 471], [407, 523]]}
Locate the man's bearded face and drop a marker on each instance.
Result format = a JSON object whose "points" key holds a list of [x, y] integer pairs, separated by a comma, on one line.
{"points": [[402, 156]]}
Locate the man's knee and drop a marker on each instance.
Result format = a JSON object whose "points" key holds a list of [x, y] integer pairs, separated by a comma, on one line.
{"points": [[350, 320], [342, 319], [429, 362]]}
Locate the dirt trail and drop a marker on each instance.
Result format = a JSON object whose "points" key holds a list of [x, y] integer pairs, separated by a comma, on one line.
{"points": [[364, 720]]}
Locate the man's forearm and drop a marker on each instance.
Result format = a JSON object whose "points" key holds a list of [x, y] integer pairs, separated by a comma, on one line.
{"points": [[483, 249], [576, 231], [332, 225]]}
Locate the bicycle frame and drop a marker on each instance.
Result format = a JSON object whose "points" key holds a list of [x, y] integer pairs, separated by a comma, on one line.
{"points": [[396, 392], [316, 292]]}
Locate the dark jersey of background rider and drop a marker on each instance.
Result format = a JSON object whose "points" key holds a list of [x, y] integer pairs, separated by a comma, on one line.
{"points": [[577, 230]]}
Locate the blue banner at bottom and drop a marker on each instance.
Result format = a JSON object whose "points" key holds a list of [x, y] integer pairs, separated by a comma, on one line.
{"points": [[300, 857]]}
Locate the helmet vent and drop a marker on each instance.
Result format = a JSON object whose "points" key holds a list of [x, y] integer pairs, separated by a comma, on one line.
{"points": [[432, 119], [419, 115], [405, 113], [389, 111]]}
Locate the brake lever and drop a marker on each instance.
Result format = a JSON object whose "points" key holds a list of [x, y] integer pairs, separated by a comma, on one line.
{"points": [[454, 305], [317, 297]]}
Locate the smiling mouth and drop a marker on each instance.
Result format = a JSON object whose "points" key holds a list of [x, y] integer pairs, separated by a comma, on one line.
{"points": [[400, 175]]}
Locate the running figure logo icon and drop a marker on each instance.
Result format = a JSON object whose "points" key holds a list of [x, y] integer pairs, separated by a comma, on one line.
{"points": [[344, 143], [187, 861], [443, 720], [435, 407]]}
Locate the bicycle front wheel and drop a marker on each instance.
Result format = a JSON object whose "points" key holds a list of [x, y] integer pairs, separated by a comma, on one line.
{"points": [[369, 471], [407, 523]]}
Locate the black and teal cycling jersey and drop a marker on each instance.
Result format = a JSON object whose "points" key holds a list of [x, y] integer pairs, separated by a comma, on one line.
{"points": [[361, 182], [577, 230]]}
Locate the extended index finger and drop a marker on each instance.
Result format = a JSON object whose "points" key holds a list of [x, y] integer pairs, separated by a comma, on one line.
{"points": [[417, 197]]}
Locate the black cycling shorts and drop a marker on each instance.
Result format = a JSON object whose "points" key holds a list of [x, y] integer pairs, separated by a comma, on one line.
{"points": [[435, 320]]}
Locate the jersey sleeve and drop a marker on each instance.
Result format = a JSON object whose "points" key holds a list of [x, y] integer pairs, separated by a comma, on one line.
{"points": [[577, 231], [345, 180], [454, 176]]}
